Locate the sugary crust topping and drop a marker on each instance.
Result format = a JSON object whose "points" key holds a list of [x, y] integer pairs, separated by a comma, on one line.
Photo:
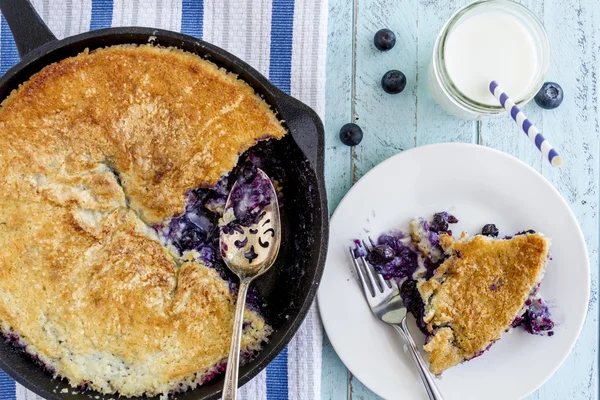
{"points": [[166, 120], [477, 292], [93, 150]]}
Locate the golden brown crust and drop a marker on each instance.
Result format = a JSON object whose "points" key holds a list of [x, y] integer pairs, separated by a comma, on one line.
{"points": [[166, 120], [92, 149], [477, 292]]}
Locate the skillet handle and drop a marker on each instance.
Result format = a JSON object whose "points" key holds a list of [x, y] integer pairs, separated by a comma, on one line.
{"points": [[28, 29], [306, 128]]}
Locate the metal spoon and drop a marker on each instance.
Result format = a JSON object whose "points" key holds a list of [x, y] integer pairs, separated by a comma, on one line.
{"points": [[248, 251]]}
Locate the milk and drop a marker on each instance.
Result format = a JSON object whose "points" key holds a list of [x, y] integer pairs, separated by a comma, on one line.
{"points": [[488, 40], [491, 45]]}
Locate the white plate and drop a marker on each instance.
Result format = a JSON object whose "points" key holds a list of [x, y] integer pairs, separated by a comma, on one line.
{"points": [[478, 185]]}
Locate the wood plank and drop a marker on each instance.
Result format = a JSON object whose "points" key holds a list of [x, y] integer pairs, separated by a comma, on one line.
{"points": [[574, 129], [433, 124], [335, 375], [361, 392], [338, 100], [338, 164], [388, 121]]}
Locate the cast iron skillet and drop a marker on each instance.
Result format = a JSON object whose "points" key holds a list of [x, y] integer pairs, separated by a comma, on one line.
{"points": [[290, 286]]}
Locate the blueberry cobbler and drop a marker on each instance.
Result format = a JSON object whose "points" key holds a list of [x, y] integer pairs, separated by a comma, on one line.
{"points": [[115, 166], [465, 293]]}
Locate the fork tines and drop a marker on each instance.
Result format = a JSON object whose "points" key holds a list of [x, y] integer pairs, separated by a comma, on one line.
{"points": [[373, 283]]}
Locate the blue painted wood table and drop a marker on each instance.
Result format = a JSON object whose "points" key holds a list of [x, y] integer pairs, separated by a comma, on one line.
{"points": [[393, 123]]}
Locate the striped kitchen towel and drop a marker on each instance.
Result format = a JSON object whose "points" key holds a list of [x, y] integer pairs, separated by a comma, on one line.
{"points": [[284, 40]]}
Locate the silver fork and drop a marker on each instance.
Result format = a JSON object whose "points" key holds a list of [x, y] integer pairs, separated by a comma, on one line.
{"points": [[383, 297]]}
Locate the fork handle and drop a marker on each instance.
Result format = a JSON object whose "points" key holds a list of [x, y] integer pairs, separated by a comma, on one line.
{"points": [[428, 380]]}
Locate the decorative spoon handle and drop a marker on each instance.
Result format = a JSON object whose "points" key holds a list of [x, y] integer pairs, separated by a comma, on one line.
{"points": [[233, 362]]}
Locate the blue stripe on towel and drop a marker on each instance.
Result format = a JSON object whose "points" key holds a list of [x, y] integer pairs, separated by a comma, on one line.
{"points": [[192, 17], [282, 30], [102, 13], [9, 55], [280, 73], [277, 377], [7, 387]]}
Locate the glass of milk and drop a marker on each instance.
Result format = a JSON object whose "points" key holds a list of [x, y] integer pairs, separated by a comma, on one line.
{"points": [[488, 40]]}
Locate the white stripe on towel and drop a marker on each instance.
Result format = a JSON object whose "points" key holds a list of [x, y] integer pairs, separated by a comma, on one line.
{"points": [[168, 15], [304, 359], [256, 389], [24, 394], [309, 53], [242, 27]]}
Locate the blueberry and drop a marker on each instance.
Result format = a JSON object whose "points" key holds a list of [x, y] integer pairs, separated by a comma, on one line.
{"points": [[351, 134], [440, 222], [384, 39], [489, 230], [550, 96], [381, 254], [393, 82]]}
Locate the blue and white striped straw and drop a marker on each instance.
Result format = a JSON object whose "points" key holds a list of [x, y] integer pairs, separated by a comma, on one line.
{"points": [[530, 130]]}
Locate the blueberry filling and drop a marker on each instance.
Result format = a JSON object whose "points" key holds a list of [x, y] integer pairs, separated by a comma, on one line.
{"points": [[536, 319], [197, 228], [397, 258], [249, 198], [393, 257], [414, 303]]}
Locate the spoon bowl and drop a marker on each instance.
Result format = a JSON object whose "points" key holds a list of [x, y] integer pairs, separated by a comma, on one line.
{"points": [[249, 240]]}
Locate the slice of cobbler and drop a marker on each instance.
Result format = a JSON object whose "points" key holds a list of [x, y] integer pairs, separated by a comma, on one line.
{"points": [[464, 294], [482, 289]]}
